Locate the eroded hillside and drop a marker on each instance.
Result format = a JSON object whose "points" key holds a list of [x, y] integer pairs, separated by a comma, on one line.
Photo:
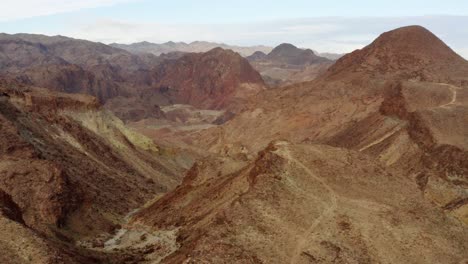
{"points": [[70, 170], [370, 166]]}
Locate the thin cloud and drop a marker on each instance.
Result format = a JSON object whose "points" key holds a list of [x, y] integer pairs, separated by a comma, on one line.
{"points": [[312, 29], [19, 9]]}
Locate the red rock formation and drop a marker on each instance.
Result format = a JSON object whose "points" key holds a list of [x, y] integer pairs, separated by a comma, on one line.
{"points": [[208, 80]]}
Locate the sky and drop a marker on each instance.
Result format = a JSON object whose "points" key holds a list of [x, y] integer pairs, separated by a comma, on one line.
{"points": [[326, 26]]}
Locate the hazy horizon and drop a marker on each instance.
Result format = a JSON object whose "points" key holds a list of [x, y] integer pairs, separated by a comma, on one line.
{"points": [[307, 24]]}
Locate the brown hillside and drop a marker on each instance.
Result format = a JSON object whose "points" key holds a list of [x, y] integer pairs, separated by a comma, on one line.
{"points": [[410, 52]]}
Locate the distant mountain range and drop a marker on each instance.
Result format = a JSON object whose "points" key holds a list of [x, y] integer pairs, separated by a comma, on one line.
{"points": [[288, 64], [197, 46], [201, 46]]}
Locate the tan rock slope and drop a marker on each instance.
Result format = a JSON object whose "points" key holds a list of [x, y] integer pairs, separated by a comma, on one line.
{"points": [[305, 203]]}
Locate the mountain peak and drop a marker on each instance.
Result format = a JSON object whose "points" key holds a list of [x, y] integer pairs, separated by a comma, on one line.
{"points": [[291, 54], [210, 80], [406, 51], [285, 49], [416, 41], [258, 55], [284, 46]]}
